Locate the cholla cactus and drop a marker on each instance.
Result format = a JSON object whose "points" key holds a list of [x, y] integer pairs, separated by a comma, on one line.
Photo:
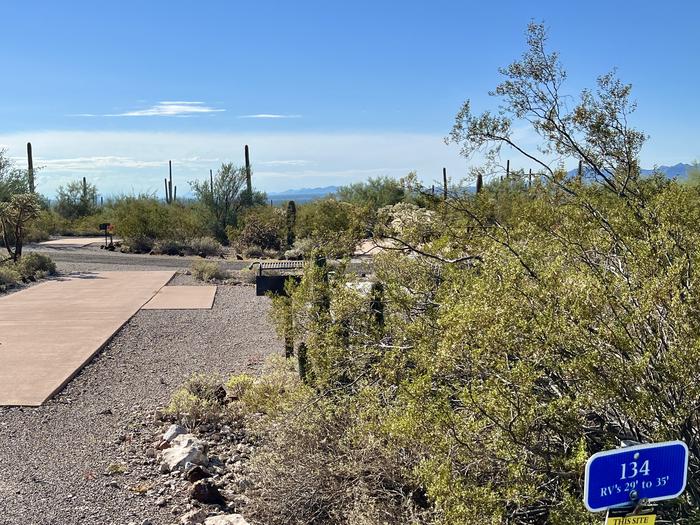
{"points": [[291, 222]]}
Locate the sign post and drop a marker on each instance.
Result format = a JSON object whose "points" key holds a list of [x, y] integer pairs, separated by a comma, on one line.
{"points": [[108, 229], [635, 475]]}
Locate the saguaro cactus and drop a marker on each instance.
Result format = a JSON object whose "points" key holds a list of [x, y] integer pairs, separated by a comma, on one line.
{"points": [[303, 362], [479, 182], [85, 195], [291, 222], [444, 184], [30, 168], [211, 181], [249, 184], [170, 181]]}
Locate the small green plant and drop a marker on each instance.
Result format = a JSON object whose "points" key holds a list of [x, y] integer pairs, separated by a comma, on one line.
{"points": [[238, 385], [114, 469], [9, 276], [207, 271], [277, 388], [200, 399]]}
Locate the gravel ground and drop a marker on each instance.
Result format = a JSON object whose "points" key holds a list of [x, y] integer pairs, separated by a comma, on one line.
{"points": [[54, 457]]}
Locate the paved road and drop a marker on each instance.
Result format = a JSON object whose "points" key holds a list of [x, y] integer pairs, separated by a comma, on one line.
{"points": [[68, 254], [51, 330], [91, 256]]}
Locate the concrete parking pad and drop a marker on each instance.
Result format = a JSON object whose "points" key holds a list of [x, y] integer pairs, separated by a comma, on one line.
{"points": [[76, 242], [50, 331], [182, 298]]}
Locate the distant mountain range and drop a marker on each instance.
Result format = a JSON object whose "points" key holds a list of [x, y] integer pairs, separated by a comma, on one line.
{"points": [[300, 195], [677, 171]]}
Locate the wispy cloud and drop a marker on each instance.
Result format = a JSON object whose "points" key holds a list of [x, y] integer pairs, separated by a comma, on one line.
{"points": [[269, 116], [284, 163], [165, 108]]}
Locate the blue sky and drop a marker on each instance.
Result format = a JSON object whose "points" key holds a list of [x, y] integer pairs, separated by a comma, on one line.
{"points": [[323, 92]]}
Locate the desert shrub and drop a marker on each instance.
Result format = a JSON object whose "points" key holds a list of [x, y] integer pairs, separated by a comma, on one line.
{"points": [[238, 385], [46, 223], [262, 227], [169, 247], [253, 252], [274, 390], [35, 266], [375, 192], [9, 276], [205, 247], [246, 276], [312, 470], [190, 409], [89, 225], [207, 271], [142, 220], [332, 226], [200, 399], [311, 466], [293, 254]]}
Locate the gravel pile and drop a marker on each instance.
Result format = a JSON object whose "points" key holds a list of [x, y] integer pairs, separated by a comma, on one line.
{"points": [[56, 458]]}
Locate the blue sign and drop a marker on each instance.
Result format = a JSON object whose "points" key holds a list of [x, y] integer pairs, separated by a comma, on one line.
{"points": [[620, 477]]}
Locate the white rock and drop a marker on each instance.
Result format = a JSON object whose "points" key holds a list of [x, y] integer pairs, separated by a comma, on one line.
{"points": [[193, 517], [185, 449], [226, 519], [173, 432]]}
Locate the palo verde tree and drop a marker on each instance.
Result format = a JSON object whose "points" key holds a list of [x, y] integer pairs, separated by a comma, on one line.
{"points": [[12, 179], [224, 197]]}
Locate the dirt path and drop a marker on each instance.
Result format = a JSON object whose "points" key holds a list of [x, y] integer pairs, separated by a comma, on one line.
{"points": [[54, 457]]}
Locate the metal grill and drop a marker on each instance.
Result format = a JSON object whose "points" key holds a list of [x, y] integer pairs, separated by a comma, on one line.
{"points": [[281, 265], [275, 283]]}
